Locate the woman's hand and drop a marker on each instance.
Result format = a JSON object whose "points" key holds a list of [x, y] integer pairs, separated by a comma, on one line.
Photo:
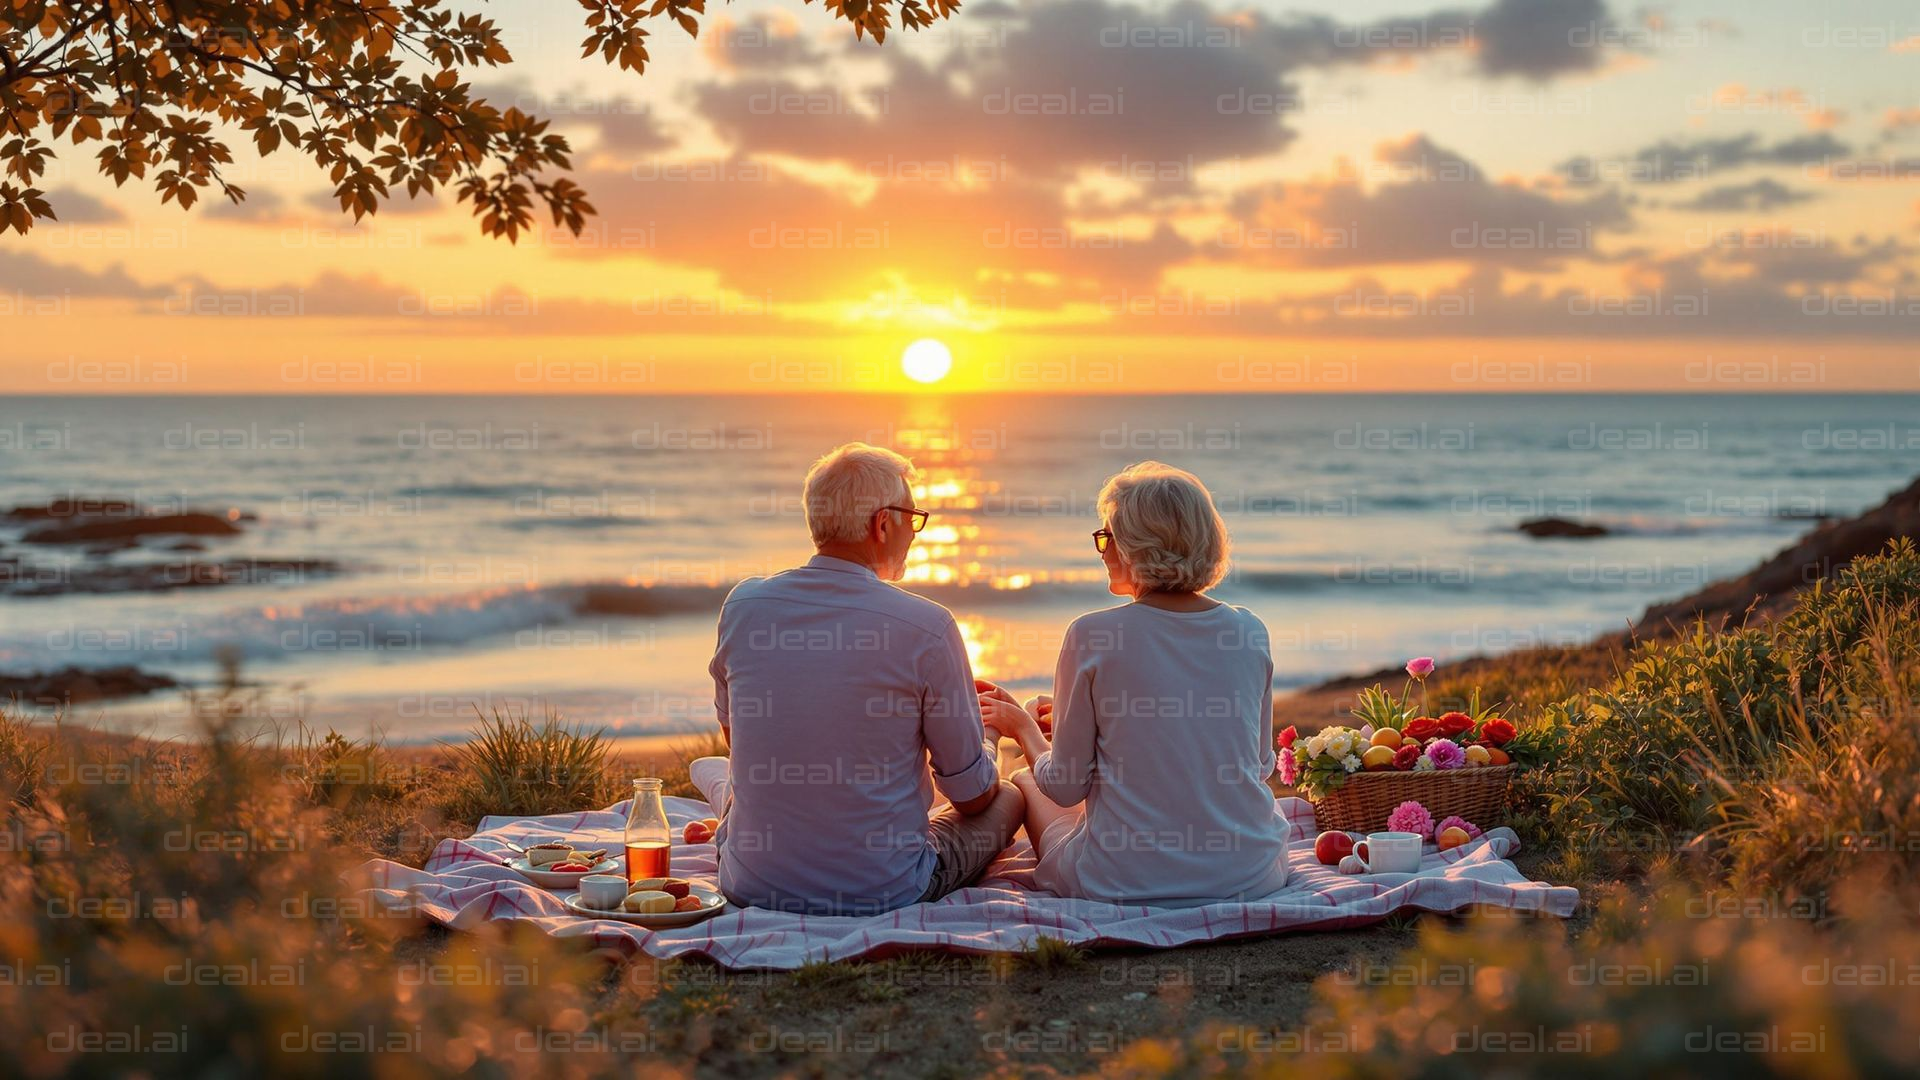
{"points": [[1041, 707], [1006, 718], [1018, 724]]}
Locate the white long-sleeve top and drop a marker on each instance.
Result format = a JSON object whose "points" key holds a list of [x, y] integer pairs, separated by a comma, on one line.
{"points": [[1163, 727]]}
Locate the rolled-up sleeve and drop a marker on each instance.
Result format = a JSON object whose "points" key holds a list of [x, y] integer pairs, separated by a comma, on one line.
{"points": [[1065, 773], [950, 721]]}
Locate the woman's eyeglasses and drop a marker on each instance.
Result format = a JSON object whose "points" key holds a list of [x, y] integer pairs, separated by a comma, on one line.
{"points": [[919, 516], [1101, 539]]}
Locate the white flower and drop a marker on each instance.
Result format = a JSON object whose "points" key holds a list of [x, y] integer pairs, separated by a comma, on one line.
{"points": [[1350, 763], [1316, 746], [1340, 744], [1423, 764]]}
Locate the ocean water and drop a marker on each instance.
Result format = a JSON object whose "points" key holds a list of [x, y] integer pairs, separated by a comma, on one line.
{"points": [[571, 553]]}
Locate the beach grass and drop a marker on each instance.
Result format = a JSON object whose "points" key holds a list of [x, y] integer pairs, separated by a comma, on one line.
{"points": [[1733, 804]]}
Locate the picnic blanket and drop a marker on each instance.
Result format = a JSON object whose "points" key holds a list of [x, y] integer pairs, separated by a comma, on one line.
{"points": [[465, 882]]}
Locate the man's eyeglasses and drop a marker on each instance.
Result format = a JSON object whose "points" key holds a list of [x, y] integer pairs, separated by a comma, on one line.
{"points": [[919, 516], [1101, 539]]}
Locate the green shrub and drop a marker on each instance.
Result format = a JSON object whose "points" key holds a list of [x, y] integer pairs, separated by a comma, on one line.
{"points": [[1651, 757], [1846, 805]]}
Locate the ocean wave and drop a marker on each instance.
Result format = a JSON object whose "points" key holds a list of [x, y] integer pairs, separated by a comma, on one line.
{"points": [[584, 524], [475, 490]]}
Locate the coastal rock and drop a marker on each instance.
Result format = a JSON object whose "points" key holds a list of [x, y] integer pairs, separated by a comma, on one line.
{"points": [[95, 530], [74, 686], [1553, 528], [68, 508]]}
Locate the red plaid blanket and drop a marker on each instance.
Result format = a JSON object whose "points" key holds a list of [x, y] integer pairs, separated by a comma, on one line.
{"points": [[466, 881]]}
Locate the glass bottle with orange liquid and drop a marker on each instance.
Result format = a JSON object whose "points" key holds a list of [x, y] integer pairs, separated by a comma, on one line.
{"points": [[649, 837]]}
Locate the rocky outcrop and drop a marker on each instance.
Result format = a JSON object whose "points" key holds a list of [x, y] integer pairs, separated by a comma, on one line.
{"points": [[75, 686], [1770, 588], [1554, 528], [131, 527]]}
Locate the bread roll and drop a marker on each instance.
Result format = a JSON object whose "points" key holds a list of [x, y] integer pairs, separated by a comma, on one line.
{"points": [[648, 902]]}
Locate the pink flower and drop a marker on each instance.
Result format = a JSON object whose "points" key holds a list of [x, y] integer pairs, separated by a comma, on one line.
{"points": [[1289, 767], [1411, 817], [1420, 667], [1456, 821], [1446, 754]]}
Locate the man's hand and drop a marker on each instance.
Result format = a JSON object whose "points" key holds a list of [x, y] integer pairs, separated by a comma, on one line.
{"points": [[990, 689]]}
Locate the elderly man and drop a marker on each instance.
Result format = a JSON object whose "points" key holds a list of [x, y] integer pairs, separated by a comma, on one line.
{"points": [[846, 701]]}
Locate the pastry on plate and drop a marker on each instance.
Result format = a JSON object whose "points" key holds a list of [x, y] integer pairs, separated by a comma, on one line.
{"points": [[648, 902], [672, 886]]}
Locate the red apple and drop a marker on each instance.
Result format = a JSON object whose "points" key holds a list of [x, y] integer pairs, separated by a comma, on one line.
{"points": [[696, 832], [1331, 847]]}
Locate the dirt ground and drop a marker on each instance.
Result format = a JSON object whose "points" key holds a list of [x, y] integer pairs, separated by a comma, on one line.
{"points": [[1052, 1011]]}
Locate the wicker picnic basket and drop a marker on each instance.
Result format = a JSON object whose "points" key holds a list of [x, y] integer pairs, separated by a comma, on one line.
{"points": [[1362, 804]]}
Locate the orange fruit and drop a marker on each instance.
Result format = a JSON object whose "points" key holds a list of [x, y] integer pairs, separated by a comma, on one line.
{"points": [[1451, 837], [1378, 757], [1387, 737], [1497, 756], [1478, 755]]}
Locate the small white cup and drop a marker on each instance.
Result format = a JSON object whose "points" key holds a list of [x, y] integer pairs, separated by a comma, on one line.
{"points": [[603, 891], [1390, 852]]}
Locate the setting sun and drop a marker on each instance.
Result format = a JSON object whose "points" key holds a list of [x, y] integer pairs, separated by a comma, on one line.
{"points": [[926, 361]]}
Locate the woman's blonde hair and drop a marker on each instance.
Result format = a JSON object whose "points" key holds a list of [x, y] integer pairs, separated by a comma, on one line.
{"points": [[1164, 523]]}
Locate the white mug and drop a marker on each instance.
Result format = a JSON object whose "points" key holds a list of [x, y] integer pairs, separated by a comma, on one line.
{"points": [[1390, 852], [603, 891]]}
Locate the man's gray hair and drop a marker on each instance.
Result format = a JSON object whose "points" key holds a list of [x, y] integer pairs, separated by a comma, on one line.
{"points": [[847, 485]]}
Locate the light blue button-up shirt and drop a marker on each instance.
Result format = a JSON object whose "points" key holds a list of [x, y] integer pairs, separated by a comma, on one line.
{"points": [[838, 691]]}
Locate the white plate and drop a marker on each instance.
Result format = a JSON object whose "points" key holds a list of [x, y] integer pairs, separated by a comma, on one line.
{"points": [[713, 904], [547, 879]]}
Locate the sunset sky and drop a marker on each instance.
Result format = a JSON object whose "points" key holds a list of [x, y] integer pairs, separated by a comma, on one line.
{"points": [[1082, 196]]}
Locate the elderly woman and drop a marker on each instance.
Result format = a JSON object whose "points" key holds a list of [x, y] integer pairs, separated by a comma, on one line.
{"points": [[1153, 790]]}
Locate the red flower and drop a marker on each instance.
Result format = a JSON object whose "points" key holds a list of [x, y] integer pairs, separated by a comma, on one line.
{"points": [[1286, 737], [1497, 732], [1454, 723], [1404, 757], [1422, 728]]}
